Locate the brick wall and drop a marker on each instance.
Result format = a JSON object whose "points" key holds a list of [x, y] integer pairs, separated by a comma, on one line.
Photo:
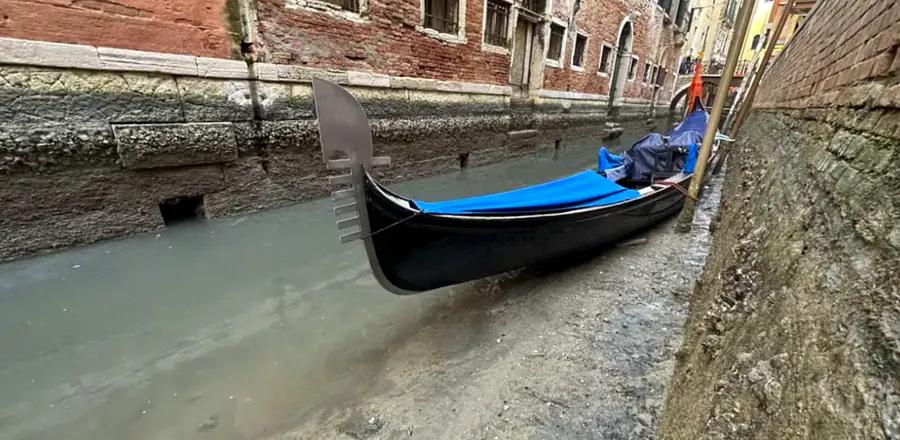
{"points": [[193, 27], [601, 20], [386, 41], [824, 67], [795, 325]]}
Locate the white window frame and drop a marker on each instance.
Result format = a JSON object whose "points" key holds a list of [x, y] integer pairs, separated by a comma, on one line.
{"points": [[321, 7], [637, 63], [509, 28], [612, 58], [648, 69], [458, 38], [557, 63], [654, 75], [587, 40]]}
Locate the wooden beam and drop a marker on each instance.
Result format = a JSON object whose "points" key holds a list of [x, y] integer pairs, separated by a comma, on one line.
{"points": [[734, 53]]}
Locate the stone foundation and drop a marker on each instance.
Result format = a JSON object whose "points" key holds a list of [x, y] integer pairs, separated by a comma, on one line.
{"points": [[89, 154], [794, 329]]}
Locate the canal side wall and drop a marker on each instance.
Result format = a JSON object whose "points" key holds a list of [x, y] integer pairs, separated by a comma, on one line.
{"points": [[794, 329], [94, 139]]}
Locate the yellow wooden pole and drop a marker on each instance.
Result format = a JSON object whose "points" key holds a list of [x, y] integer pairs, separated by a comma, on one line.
{"points": [[754, 86], [734, 53]]}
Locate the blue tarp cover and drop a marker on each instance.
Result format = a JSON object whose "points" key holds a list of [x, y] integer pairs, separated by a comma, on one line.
{"points": [[691, 160], [578, 191], [696, 122], [607, 160]]}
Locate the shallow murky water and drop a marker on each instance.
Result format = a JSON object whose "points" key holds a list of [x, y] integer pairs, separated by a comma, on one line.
{"points": [[230, 328]]}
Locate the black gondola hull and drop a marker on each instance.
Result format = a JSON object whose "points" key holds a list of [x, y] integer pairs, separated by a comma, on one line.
{"points": [[418, 252]]}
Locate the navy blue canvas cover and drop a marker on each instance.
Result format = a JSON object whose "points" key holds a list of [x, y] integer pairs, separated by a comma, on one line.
{"points": [[658, 155]]}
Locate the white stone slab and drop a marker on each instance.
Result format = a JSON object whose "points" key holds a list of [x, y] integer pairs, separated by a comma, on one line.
{"points": [[575, 96], [140, 61], [42, 53], [222, 68], [368, 79]]}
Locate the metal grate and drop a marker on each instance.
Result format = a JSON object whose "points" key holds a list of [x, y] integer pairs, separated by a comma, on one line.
{"points": [[497, 23], [441, 15], [347, 5]]}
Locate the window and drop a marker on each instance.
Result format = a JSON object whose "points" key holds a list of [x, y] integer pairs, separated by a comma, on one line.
{"points": [[755, 42], [554, 48], [496, 23], [632, 69], [665, 4], [661, 77], [653, 75], [605, 59], [536, 6], [442, 15], [578, 52], [647, 71], [347, 5]]}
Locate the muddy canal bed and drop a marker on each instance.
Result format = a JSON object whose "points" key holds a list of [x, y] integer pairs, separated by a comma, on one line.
{"points": [[263, 326], [580, 352]]}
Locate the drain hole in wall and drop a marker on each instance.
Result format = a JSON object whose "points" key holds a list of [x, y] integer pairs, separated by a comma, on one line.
{"points": [[180, 209], [464, 160]]}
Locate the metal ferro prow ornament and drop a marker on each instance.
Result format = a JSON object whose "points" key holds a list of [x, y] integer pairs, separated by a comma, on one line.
{"points": [[346, 140]]}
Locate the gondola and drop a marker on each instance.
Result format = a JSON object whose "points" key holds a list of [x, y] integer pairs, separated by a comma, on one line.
{"points": [[416, 246]]}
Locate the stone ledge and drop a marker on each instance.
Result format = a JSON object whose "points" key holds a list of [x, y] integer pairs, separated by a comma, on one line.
{"points": [[169, 145], [576, 96], [139, 61], [221, 68], [40, 53]]}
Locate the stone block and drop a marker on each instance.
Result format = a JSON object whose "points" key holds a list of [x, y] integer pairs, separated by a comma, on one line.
{"points": [[45, 146], [212, 100], [28, 94], [41, 53], [285, 101], [368, 79], [168, 145], [41, 212], [221, 68], [155, 62]]}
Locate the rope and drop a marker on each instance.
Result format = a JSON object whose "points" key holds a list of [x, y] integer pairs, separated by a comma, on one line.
{"points": [[677, 187], [396, 223]]}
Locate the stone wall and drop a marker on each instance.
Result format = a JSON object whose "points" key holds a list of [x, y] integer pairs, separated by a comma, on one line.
{"points": [[795, 325], [152, 104], [89, 153]]}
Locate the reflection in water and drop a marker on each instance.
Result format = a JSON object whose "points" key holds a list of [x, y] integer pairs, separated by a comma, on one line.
{"points": [[230, 328]]}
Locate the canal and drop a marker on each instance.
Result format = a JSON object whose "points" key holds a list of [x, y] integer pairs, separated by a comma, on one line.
{"points": [[259, 325]]}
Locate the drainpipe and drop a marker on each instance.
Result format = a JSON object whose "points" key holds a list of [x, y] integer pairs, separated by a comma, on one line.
{"points": [[251, 50]]}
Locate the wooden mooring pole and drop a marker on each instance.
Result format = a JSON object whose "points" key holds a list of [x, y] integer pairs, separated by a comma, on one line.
{"points": [[734, 53], [764, 63]]}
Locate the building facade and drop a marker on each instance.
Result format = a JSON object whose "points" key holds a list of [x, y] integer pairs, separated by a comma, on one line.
{"points": [[709, 34], [127, 106]]}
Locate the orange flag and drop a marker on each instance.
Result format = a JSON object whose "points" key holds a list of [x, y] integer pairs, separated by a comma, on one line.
{"points": [[696, 91]]}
